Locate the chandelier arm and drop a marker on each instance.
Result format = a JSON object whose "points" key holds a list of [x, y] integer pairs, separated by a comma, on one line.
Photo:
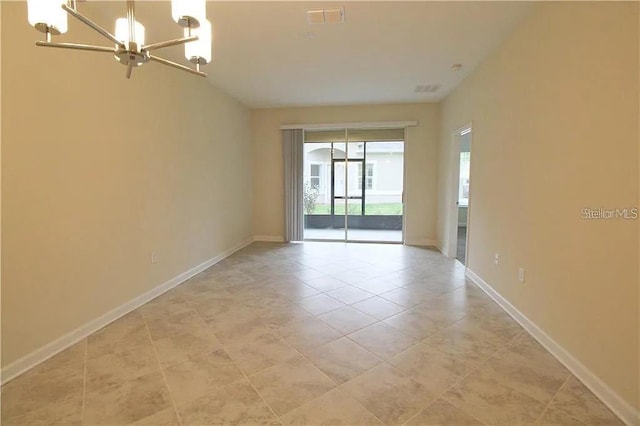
{"points": [[76, 46], [176, 65], [79, 16], [175, 42], [129, 69]]}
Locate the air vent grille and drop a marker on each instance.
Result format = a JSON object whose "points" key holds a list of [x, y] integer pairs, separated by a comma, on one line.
{"points": [[334, 15], [315, 16], [427, 88]]}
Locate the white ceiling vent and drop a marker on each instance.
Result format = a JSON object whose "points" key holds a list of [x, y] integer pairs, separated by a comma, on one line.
{"points": [[334, 15], [427, 88]]}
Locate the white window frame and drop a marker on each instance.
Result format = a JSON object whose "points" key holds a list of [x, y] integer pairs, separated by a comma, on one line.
{"points": [[373, 175], [320, 176]]}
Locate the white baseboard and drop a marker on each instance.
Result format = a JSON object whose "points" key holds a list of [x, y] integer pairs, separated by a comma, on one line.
{"points": [[420, 243], [280, 239], [269, 238], [40, 355], [608, 396]]}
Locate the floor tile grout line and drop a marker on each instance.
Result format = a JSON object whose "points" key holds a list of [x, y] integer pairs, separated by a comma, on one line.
{"points": [[440, 398], [342, 335], [317, 317], [264, 401], [84, 381], [383, 362], [456, 382], [548, 405], [355, 399], [337, 384], [164, 376], [245, 376], [459, 380], [386, 300], [379, 356], [351, 332], [498, 349]]}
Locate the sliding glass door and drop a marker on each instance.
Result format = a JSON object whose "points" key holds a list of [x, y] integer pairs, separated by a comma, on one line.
{"points": [[353, 185]]}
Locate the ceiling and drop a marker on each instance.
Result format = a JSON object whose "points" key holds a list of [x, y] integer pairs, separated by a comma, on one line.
{"points": [[267, 55]]}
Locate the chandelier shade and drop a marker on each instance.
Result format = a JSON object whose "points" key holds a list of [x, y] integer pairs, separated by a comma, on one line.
{"points": [[189, 13], [199, 51], [122, 31], [47, 15]]}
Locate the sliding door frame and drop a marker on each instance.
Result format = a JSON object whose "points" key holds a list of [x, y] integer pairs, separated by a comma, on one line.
{"points": [[359, 126]]}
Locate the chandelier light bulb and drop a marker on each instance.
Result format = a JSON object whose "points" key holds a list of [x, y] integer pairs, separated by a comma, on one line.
{"points": [[199, 51], [189, 13], [122, 31], [47, 15]]}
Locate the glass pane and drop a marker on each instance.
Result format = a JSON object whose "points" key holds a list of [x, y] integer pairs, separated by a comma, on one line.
{"points": [[339, 178], [355, 178], [463, 187], [355, 208], [339, 150], [318, 222], [384, 180], [317, 178], [339, 206], [356, 150]]}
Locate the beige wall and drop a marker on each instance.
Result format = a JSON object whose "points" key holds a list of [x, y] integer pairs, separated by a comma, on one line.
{"points": [[98, 172], [421, 161], [555, 130], [0, 185]]}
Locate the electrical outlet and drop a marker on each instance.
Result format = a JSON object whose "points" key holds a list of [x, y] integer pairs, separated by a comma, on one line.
{"points": [[496, 258], [154, 257], [521, 275]]}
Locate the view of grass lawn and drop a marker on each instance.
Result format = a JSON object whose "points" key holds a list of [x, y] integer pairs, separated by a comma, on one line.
{"points": [[386, 209]]}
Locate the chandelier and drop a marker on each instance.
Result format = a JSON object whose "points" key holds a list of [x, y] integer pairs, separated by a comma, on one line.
{"points": [[50, 17]]}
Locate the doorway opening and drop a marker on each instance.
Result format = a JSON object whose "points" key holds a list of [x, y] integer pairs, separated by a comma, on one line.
{"points": [[353, 184], [459, 230]]}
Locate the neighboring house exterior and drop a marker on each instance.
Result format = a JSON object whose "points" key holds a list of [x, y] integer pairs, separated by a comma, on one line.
{"points": [[383, 169]]}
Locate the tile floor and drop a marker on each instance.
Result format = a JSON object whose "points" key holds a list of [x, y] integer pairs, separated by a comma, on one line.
{"points": [[313, 333]]}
